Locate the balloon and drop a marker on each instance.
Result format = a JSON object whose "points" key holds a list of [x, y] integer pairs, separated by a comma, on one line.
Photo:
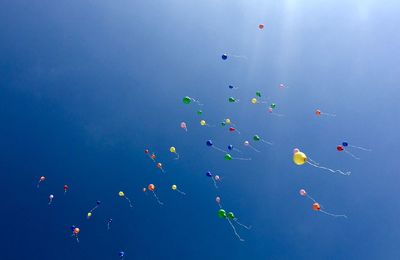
{"points": [[172, 149], [254, 100], [217, 178], [151, 187], [224, 56], [223, 123], [146, 151], [302, 192], [222, 213], [230, 147], [231, 215], [199, 112], [208, 174], [299, 158], [218, 200], [339, 148], [51, 197], [318, 112], [260, 26], [144, 189], [41, 179], [295, 150], [246, 143], [345, 144], [256, 138], [184, 126], [76, 231], [173, 187], [122, 195], [209, 143], [231, 129], [230, 86], [72, 227], [186, 100], [203, 122], [228, 157], [316, 207], [89, 214], [258, 94], [121, 254], [273, 105], [231, 99], [159, 166], [65, 188], [228, 121]]}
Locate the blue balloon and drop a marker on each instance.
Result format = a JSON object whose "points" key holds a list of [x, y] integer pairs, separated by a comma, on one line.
{"points": [[110, 220], [98, 202], [230, 86], [224, 56], [209, 174], [72, 227], [121, 254], [230, 147], [345, 144], [209, 143]]}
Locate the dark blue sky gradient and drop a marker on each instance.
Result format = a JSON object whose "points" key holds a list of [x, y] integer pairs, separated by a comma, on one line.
{"points": [[86, 86]]}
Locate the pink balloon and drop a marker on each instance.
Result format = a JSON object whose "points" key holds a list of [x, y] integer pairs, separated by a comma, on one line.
{"points": [[183, 125], [218, 200], [270, 109], [246, 143], [216, 177], [296, 150], [302, 192]]}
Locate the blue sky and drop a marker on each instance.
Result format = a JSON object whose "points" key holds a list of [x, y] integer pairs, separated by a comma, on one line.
{"points": [[86, 86]]}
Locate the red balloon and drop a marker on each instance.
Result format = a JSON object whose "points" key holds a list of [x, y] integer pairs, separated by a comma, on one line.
{"points": [[231, 129], [339, 148], [66, 187]]}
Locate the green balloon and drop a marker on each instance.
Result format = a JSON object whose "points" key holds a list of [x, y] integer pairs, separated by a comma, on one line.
{"points": [[273, 105], [258, 94], [231, 215], [222, 213], [199, 112], [231, 99], [256, 138], [186, 100], [228, 157], [223, 123]]}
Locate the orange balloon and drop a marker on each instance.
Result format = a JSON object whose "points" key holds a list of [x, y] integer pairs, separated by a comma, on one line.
{"points": [[151, 187], [316, 206], [42, 178], [318, 112], [76, 231]]}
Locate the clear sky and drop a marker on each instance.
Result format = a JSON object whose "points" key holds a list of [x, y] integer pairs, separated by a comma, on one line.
{"points": [[86, 86]]}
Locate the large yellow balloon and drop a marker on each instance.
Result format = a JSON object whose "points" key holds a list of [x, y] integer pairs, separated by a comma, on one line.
{"points": [[227, 121], [121, 194], [254, 100], [202, 122], [299, 158], [172, 149], [174, 187]]}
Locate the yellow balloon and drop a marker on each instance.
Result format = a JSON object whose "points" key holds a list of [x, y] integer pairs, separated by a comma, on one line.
{"points": [[172, 149], [228, 121], [121, 194], [89, 214], [202, 122], [254, 100], [299, 158], [174, 187]]}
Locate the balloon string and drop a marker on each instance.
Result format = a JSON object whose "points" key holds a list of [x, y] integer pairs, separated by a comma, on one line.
{"points": [[196, 101], [333, 215], [328, 169], [215, 183], [311, 160], [276, 114], [50, 202], [255, 149], [328, 114], [240, 224], [181, 192], [93, 209], [234, 230], [361, 148], [177, 156], [158, 200], [352, 155], [219, 149], [237, 150], [242, 159], [311, 198], [238, 56], [130, 203], [262, 140], [108, 226]]}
